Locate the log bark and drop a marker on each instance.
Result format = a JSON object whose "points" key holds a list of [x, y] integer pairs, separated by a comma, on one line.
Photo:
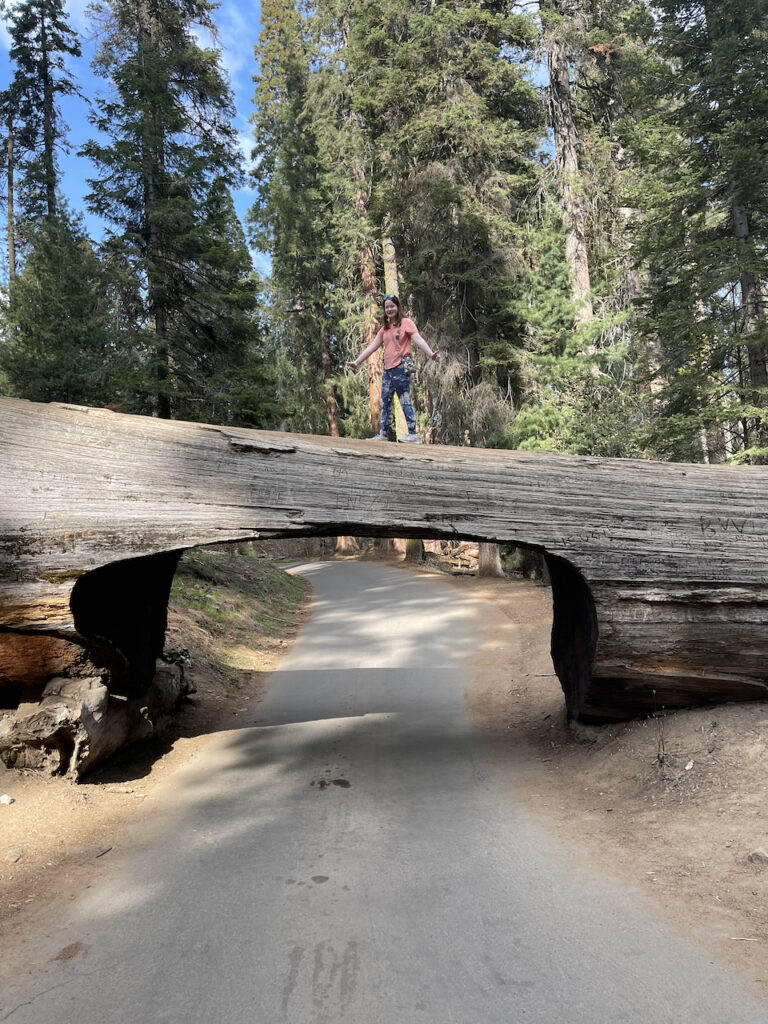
{"points": [[660, 587]]}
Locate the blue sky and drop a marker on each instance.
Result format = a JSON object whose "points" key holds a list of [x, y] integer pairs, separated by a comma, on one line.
{"points": [[238, 27]]}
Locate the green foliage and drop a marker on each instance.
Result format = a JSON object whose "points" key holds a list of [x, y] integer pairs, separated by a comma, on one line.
{"points": [[165, 181], [584, 391], [232, 604], [293, 219], [41, 42], [425, 124], [704, 235], [388, 119], [455, 123], [55, 320]]}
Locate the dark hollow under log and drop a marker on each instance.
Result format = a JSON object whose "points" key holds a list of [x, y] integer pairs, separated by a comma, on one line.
{"points": [[121, 612], [660, 589]]}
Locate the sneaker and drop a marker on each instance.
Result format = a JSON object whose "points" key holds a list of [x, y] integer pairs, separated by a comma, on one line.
{"points": [[377, 437], [411, 439]]}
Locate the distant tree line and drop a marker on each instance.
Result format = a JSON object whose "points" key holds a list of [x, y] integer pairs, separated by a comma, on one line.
{"points": [[570, 198]]}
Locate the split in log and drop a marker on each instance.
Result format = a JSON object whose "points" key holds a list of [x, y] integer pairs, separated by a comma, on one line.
{"points": [[660, 590]]}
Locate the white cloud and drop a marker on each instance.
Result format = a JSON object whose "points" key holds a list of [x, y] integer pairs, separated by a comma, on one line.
{"points": [[239, 29], [245, 142], [76, 9]]}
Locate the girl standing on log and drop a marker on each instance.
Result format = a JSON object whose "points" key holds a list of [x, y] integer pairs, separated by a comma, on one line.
{"points": [[397, 334]]}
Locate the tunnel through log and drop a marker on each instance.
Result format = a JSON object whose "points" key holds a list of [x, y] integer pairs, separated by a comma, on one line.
{"points": [[574, 631], [122, 610]]}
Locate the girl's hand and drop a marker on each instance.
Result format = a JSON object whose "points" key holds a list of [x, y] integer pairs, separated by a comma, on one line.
{"points": [[352, 366], [435, 357]]}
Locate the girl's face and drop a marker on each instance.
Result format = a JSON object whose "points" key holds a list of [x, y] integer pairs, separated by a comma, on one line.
{"points": [[390, 309]]}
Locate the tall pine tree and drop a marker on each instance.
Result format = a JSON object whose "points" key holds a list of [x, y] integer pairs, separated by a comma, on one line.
{"points": [[165, 170], [55, 320], [292, 219], [585, 397], [41, 42]]}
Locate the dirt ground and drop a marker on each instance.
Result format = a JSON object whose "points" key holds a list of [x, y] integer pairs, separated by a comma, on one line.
{"points": [[674, 806]]}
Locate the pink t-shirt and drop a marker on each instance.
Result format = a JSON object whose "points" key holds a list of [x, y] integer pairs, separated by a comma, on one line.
{"points": [[397, 342]]}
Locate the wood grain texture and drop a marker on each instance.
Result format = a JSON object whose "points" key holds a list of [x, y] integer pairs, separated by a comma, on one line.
{"points": [[659, 570]]}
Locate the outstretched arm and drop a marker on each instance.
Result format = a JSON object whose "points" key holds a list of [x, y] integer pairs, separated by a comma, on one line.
{"points": [[418, 340], [376, 343]]}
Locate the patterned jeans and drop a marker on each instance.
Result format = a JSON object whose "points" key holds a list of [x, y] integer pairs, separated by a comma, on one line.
{"points": [[396, 380]]}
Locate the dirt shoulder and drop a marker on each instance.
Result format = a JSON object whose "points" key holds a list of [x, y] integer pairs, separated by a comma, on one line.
{"points": [[674, 806], [679, 826], [57, 836]]}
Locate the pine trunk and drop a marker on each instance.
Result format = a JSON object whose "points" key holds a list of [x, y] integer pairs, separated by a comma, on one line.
{"points": [[346, 546], [569, 177], [331, 405], [368, 281], [152, 169], [49, 115], [414, 550], [390, 263], [11, 225], [489, 560]]}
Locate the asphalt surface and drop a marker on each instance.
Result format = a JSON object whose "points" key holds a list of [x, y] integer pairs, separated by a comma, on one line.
{"points": [[351, 854]]}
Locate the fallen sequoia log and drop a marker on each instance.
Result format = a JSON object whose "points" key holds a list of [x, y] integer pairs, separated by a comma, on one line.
{"points": [[658, 574]]}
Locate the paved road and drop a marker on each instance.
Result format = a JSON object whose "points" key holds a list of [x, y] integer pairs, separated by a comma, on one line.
{"points": [[354, 856]]}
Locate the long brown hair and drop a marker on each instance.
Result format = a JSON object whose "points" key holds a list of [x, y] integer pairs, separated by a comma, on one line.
{"points": [[384, 320]]}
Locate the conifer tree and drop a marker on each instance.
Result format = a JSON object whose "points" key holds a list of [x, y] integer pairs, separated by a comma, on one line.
{"points": [[346, 157], [41, 41], [165, 174], [558, 17], [54, 319], [584, 396], [8, 158], [292, 219]]}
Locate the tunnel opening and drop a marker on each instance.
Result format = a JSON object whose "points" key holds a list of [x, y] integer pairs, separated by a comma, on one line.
{"points": [[121, 609], [574, 631]]}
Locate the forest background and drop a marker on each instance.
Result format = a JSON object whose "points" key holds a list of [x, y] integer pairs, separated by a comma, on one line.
{"points": [[570, 197]]}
